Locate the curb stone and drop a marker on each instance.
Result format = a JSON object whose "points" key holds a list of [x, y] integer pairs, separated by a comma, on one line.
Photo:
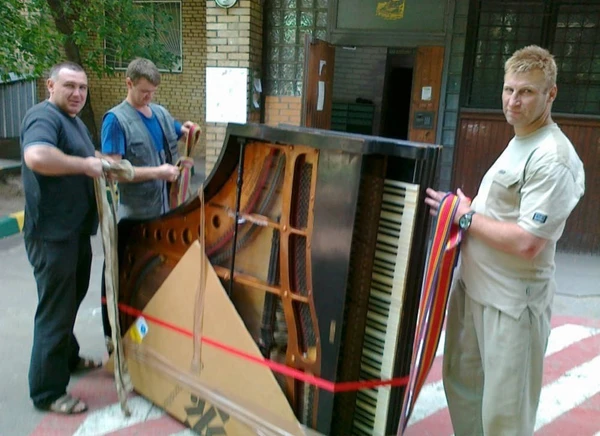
{"points": [[11, 224]]}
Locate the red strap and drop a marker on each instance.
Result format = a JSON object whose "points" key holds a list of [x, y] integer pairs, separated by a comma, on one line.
{"points": [[274, 366], [434, 297]]}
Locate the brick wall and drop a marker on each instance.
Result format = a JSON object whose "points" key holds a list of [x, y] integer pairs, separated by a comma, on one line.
{"points": [[233, 39], [360, 73], [283, 110]]}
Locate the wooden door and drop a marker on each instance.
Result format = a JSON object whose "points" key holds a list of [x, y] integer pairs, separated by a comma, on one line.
{"points": [[318, 83], [426, 89]]}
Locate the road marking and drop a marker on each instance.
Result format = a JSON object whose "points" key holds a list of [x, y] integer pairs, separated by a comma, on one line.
{"points": [[432, 397], [565, 335], [111, 418], [440, 348], [569, 391]]}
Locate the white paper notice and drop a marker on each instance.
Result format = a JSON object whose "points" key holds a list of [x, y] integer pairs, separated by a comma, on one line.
{"points": [[321, 96], [426, 93], [226, 95]]}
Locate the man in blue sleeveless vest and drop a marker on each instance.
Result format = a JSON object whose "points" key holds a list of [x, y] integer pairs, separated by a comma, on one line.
{"points": [[146, 135], [59, 163]]}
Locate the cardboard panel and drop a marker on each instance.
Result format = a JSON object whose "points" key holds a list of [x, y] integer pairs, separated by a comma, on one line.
{"points": [[242, 395]]}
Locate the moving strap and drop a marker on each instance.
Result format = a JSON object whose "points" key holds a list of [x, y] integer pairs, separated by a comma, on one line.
{"points": [[432, 309], [106, 201], [179, 191]]}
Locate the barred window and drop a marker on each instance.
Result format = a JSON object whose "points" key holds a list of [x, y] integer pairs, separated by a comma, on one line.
{"points": [[576, 46], [286, 22], [569, 29], [166, 31]]}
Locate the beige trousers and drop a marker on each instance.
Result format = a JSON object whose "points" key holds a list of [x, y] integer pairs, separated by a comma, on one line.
{"points": [[493, 367]]}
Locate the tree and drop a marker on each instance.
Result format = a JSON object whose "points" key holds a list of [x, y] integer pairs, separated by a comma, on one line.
{"points": [[35, 34]]}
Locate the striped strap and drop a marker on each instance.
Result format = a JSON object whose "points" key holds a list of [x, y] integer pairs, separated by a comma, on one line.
{"points": [[434, 297], [179, 191]]}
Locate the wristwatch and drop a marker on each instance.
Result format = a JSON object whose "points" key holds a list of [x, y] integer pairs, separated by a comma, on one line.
{"points": [[464, 221]]}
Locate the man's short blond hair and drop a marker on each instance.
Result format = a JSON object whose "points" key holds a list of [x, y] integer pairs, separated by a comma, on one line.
{"points": [[532, 58]]}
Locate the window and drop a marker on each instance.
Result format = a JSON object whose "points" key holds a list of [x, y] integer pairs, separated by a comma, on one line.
{"points": [[164, 30], [286, 22], [569, 29]]}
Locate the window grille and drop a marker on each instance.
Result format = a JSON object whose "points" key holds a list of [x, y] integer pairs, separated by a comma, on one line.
{"points": [[576, 46], [286, 22], [168, 14], [569, 29]]}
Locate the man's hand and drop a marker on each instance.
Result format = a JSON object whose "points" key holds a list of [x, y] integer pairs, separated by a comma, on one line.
{"points": [[168, 172], [185, 127], [434, 198], [93, 166]]}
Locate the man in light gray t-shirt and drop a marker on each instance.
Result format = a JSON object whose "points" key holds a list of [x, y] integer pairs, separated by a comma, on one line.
{"points": [[499, 309]]}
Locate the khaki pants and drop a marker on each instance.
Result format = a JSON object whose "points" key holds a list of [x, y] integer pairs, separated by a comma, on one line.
{"points": [[493, 367]]}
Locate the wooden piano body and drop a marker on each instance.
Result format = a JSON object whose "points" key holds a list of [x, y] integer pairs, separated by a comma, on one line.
{"points": [[330, 249]]}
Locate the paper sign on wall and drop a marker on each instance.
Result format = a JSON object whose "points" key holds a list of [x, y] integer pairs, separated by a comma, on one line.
{"points": [[320, 95], [426, 93], [226, 95]]}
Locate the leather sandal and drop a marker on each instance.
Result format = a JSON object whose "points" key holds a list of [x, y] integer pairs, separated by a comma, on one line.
{"points": [[86, 364], [66, 405]]}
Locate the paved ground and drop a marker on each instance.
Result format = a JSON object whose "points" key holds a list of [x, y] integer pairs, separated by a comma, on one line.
{"points": [[11, 194]]}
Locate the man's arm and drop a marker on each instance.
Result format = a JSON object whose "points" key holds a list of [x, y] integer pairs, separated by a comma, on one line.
{"points": [[507, 237], [50, 161], [113, 146], [167, 172]]}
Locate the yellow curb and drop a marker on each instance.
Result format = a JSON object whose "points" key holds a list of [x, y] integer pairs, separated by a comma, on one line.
{"points": [[20, 217]]}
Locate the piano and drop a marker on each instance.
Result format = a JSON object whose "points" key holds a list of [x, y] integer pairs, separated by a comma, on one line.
{"points": [[320, 238]]}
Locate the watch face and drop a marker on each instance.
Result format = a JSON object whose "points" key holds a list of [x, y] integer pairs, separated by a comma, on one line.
{"points": [[225, 3], [465, 221]]}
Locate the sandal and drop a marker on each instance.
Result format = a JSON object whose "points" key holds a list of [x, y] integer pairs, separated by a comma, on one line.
{"points": [[66, 405], [86, 364]]}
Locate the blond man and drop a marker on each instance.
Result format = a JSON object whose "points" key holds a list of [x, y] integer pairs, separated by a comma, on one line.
{"points": [[499, 311]]}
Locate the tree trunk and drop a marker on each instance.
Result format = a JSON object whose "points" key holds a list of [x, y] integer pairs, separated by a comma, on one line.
{"points": [[64, 25]]}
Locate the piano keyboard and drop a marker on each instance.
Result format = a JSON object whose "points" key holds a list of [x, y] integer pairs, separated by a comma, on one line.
{"points": [[394, 238]]}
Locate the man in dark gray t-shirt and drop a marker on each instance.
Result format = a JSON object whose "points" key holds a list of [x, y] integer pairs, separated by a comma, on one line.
{"points": [[59, 163]]}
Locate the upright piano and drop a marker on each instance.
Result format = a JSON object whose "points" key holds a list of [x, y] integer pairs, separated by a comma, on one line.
{"points": [[320, 237]]}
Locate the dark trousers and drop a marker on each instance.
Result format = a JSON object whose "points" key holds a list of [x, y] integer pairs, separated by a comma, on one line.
{"points": [[62, 272]]}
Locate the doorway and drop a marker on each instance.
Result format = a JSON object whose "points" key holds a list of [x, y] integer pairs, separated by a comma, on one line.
{"points": [[397, 94]]}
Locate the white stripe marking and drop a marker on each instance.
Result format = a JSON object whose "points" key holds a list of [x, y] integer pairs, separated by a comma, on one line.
{"points": [[186, 432], [563, 336], [569, 391], [440, 348], [111, 418], [432, 398]]}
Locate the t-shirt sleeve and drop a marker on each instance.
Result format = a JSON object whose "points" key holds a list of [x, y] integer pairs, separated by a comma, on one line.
{"points": [[38, 129], [112, 137], [548, 197], [178, 131]]}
